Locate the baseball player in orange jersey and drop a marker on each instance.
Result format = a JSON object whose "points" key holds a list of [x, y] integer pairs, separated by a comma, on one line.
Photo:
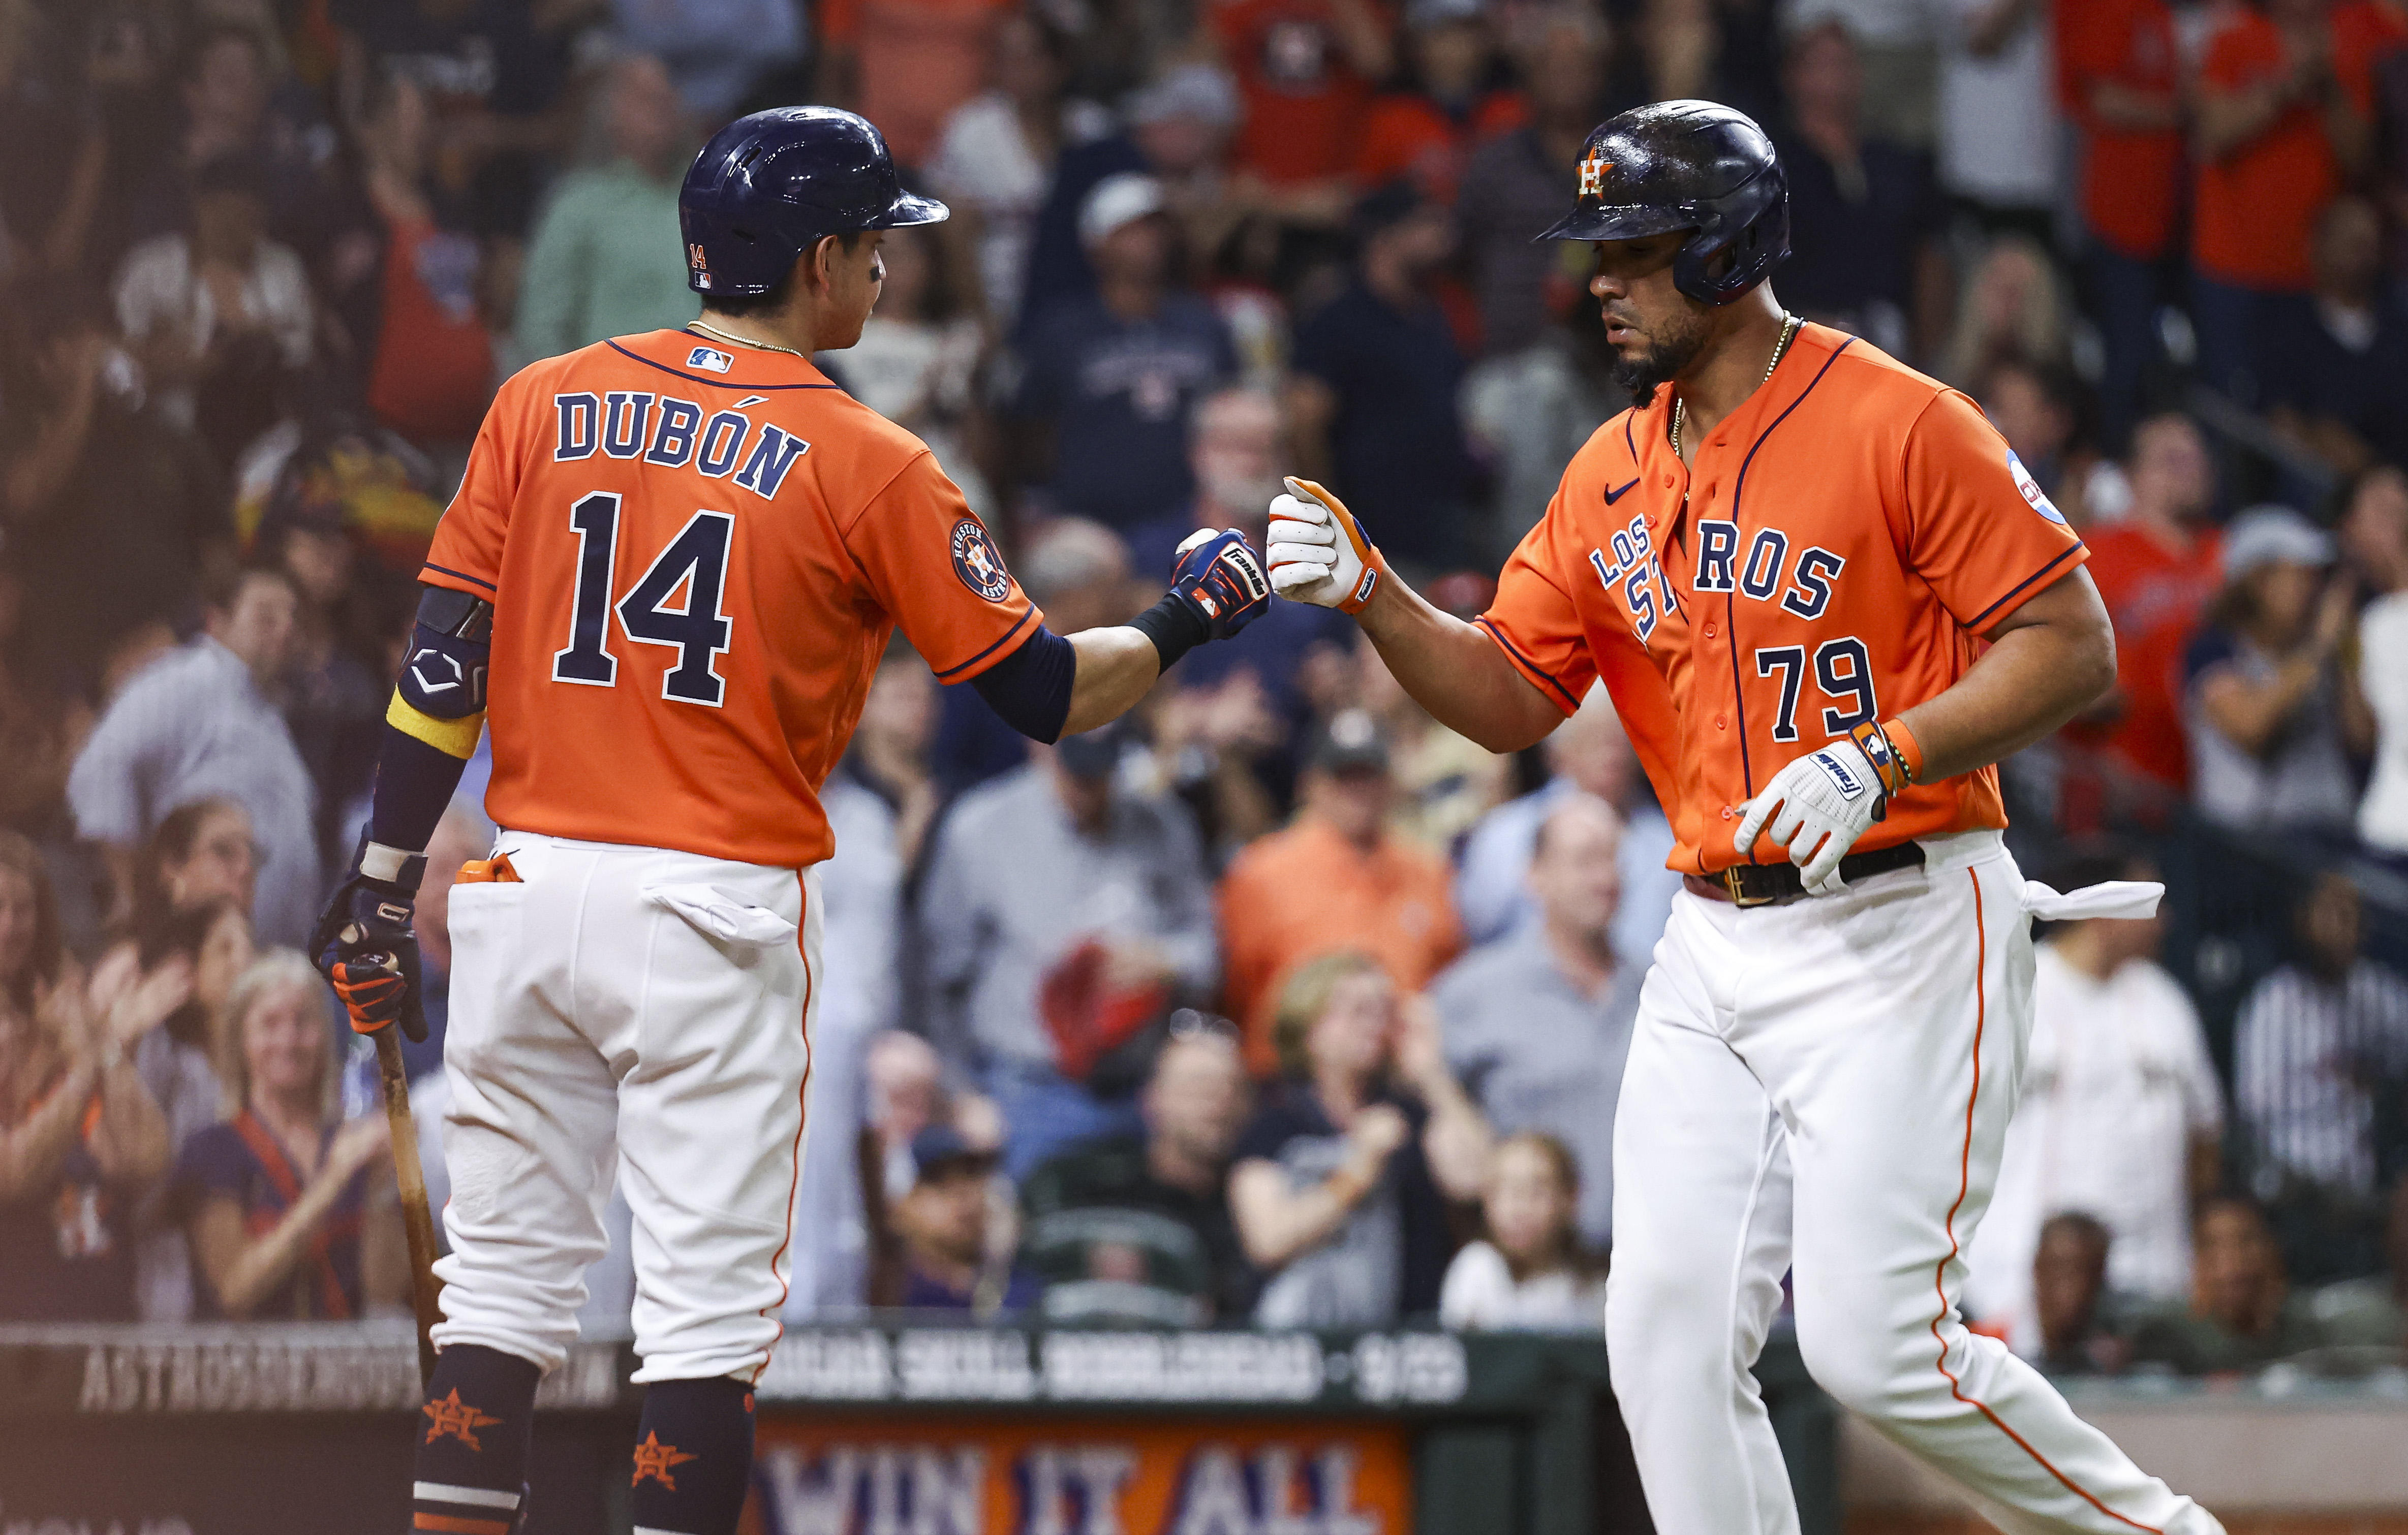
{"points": [[669, 573], [1825, 599]]}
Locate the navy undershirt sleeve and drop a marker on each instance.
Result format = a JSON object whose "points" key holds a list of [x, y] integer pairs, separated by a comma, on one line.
{"points": [[1030, 688], [413, 786]]}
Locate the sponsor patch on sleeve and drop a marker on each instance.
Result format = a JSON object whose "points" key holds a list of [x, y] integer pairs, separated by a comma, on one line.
{"points": [[2037, 499]]}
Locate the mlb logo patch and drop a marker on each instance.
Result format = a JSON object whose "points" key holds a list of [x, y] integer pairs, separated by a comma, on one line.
{"points": [[710, 357]]}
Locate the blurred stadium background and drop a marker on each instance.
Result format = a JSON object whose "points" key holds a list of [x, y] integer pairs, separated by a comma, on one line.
{"points": [[263, 264]]}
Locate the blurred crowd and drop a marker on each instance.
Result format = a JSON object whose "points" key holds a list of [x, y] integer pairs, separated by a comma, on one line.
{"points": [[1256, 1007]]}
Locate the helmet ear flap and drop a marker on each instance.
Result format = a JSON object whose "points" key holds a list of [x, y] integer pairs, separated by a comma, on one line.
{"points": [[1751, 227]]}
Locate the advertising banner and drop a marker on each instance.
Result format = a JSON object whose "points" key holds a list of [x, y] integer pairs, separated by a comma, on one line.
{"points": [[875, 1475]]}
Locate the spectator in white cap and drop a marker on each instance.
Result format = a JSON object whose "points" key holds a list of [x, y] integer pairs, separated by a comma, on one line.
{"points": [[1114, 204], [1111, 382], [2272, 710], [1179, 128]]}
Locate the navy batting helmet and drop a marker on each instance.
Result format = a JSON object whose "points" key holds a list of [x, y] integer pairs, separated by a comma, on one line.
{"points": [[769, 187], [1685, 164]]}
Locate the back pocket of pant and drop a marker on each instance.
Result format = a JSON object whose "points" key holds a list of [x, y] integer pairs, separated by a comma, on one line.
{"points": [[727, 920]]}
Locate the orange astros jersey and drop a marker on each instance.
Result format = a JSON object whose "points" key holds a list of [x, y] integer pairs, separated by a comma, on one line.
{"points": [[1842, 540], [695, 553]]}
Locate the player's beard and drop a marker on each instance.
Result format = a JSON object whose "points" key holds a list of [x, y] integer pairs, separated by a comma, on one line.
{"points": [[1673, 345]]}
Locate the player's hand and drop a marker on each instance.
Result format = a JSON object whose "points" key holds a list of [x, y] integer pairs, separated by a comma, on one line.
{"points": [[1816, 807], [1318, 553], [364, 944], [1220, 578]]}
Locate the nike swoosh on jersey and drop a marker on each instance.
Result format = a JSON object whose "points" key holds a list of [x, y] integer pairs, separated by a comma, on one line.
{"points": [[1612, 496]]}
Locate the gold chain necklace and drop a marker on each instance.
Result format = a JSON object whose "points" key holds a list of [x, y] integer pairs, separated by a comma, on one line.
{"points": [[718, 335], [1789, 324]]}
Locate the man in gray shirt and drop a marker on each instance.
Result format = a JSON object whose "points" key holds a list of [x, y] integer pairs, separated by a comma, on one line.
{"points": [[196, 723], [1590, 755], [1041, 867], [1538, 1023]]}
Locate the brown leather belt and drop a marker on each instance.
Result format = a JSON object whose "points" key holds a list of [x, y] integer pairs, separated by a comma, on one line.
{"points": [[1771, 884]]}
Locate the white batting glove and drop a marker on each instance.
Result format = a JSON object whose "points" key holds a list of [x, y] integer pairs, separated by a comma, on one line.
{"points": [[1816, 807], [1317, 553]]}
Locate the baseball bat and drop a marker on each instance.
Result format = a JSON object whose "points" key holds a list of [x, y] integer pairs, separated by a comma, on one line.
{"points": [[417, 1221]]}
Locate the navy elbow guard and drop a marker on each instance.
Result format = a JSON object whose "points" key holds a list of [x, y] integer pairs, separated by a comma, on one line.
{"points": [[1030, 688], [445, 675]]}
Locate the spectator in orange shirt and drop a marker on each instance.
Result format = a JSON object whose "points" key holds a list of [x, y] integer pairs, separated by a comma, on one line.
{"points": [[1305, 69], [905, 64], [1426, 131], [2119, 80], [2285, 110], [2374, 29], [1333, 879], [2158, 569]]}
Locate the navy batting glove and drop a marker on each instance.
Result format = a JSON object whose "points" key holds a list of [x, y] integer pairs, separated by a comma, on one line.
{"points": [[364, 943], [1219, 579]]}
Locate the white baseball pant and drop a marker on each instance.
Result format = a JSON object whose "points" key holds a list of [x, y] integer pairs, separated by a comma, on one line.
{"points": [[1822, 1088], [642, 1011]]}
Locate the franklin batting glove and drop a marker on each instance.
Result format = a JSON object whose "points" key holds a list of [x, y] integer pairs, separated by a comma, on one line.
{"points": [[1816, 807], [1219, 580], [1318, 553], [364, 943]]}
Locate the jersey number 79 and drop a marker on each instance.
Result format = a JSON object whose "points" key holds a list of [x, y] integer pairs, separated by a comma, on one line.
{"points": [[1842, 668], [695, 559]]}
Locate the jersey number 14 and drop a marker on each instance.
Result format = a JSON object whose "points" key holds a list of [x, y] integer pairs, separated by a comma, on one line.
{"points": [[695, 559]]}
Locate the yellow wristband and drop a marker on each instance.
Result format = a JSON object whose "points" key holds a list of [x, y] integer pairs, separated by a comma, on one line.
{"points": [[454, 738]]}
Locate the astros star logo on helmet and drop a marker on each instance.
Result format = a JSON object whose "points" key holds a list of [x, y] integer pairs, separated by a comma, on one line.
{"points": [[1593, 167]]}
